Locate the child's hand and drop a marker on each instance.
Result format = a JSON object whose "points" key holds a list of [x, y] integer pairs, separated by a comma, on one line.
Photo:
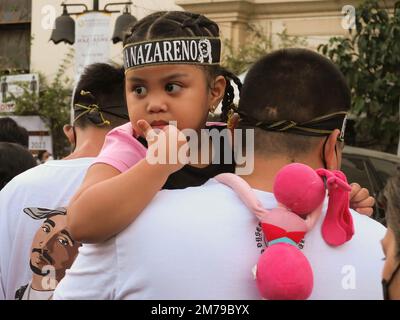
{"points": [[167, 146], [360, 200]]}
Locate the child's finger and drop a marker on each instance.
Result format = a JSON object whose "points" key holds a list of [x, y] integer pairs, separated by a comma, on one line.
{"points": [[365, 211], [355, 188], [146, 129], [366, 203], [361, 195]]}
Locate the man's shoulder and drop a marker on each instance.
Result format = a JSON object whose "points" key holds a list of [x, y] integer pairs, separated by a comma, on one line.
{"points": [[367, 228], [210, 188], [214, 189], [54, 169]]}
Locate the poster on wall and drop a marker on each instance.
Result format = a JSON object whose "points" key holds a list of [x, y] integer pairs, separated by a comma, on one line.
{"points": [[13, 86], [92, 40]]}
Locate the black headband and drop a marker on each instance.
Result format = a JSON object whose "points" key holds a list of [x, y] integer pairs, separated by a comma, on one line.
{"points": [[318, 127], [198, 50], [94, 112]]}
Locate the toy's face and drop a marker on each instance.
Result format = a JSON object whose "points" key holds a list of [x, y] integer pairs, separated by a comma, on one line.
{"points": [[204, 49]]}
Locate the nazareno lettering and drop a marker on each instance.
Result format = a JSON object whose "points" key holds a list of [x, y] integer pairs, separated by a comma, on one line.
{"points": [[193, 51]]}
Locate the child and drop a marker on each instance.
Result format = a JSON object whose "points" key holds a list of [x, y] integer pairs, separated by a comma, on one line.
{"points": [[176, 78]]}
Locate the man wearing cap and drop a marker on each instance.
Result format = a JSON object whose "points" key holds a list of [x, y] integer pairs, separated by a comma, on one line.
{"points": [[203, 242], [99, 106]]}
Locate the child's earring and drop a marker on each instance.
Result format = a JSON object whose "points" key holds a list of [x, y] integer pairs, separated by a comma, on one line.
{"points": [[213, 108]]}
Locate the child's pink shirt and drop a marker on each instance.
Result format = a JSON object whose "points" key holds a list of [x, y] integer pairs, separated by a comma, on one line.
{"points": [[121, 149]]}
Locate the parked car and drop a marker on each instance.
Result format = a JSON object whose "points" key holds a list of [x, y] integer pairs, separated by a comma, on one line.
{"points": [[370, 169]]}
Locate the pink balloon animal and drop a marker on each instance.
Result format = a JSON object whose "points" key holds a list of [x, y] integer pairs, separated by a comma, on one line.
{"points": [[282, 271]]}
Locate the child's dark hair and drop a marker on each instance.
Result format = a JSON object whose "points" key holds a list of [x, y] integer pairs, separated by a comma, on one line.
{"points": [[169, 24]]}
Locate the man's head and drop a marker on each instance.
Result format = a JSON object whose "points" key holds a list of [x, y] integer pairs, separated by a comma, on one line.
{"points": [[99, 99], [52, 244], [10, 131], [14, 159], [298, 86]]}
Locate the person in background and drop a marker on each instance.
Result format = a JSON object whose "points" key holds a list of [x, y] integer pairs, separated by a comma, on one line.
{"points": [[50, 186], [14, 159], [43, 156], [391, 241], [10, 131]]}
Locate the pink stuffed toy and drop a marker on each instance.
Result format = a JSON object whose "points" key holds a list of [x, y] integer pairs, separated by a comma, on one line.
{"points": [[282, 271]]}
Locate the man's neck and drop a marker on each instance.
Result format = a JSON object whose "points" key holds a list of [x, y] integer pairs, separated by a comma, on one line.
{"points": [[89, 143], [266, 168]]}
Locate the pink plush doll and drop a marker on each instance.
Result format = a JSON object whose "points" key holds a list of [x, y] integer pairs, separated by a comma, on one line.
{"points": [[282, 271]]}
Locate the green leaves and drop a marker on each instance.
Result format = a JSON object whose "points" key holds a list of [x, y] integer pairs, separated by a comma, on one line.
{"points": [[259, 43], [52, 105], [370, 60]]}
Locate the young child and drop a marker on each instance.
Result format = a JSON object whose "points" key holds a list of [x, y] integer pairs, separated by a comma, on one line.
{"points": [[172, 74]]}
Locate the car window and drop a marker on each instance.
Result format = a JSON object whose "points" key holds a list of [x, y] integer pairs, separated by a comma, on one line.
{"points": [[384, 168], [355, 171]]}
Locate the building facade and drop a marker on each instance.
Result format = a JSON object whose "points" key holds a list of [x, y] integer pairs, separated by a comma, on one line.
{"points": [[315, 20]]}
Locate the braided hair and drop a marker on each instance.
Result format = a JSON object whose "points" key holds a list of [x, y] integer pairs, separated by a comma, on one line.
{"points": [[168, 24]]}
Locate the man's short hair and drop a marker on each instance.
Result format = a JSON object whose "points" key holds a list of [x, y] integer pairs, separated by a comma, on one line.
{"points": [[10, 131], [292, 84], [106, 87]]}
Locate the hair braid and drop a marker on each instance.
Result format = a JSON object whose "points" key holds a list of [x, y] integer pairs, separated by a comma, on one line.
{"points": [[227, 102]]}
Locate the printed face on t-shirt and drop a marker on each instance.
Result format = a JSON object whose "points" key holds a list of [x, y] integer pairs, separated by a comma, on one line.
{"points": [[53, 245]]}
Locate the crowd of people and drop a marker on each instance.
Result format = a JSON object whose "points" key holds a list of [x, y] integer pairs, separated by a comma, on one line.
{"points": [[109, 222]]}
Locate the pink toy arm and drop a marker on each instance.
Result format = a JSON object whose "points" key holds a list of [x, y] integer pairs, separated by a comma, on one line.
{"points": [[313, 217], [245, 193]]}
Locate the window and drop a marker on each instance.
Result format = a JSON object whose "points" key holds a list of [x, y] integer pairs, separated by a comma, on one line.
{"points": [[385, 169], [355, 170], [15, 34]]}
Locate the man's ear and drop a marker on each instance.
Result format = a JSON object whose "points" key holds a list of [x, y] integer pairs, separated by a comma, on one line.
{"points": [[69, 133], [331, 155], [217, 91]]}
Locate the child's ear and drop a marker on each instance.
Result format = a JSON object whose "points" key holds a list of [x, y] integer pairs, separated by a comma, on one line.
{"points": [[217, 91]]}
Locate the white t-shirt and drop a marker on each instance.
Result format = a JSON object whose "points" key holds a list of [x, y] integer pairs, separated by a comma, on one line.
{"points": [[202, 243], [50, 185]]}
